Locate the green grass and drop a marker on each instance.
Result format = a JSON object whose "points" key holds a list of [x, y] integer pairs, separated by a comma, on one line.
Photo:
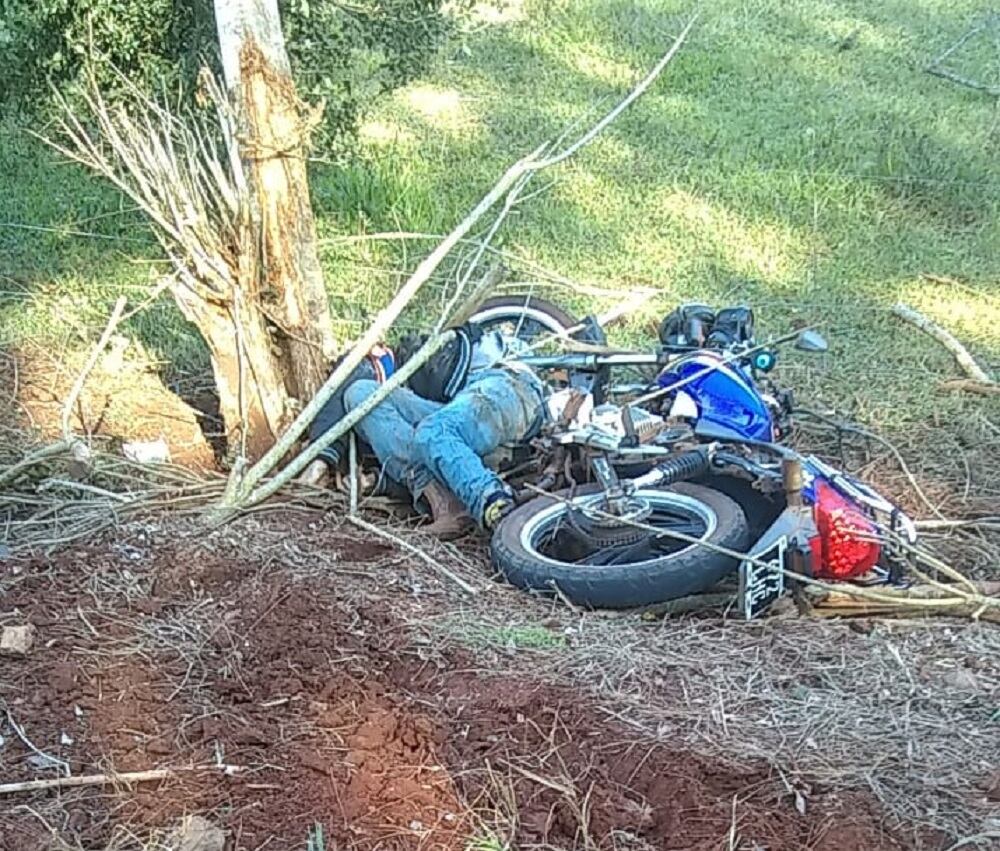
{"points": [[794, 156], [513, 638], [486, 842], [316, 841]]}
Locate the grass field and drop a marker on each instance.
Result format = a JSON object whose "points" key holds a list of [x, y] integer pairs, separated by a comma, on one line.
{"points": [[794, 156]]}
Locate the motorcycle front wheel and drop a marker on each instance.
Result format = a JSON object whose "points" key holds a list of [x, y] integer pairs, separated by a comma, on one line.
{"points": [[540, 546]]}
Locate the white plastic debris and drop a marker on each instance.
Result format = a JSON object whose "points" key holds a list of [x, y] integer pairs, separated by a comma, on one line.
{"points": [[147, 451]]}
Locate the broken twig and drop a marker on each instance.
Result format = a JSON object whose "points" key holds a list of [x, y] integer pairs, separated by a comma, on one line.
{"points": [[128, 778], [419, 553], [938, 70], [946, 339], [60, 763]]}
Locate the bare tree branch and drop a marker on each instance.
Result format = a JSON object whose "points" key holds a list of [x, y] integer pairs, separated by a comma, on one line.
{"points": [[961, 354]]}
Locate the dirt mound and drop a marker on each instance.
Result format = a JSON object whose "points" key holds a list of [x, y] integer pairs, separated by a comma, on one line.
{"points": [[282, 704], [123, 400]]}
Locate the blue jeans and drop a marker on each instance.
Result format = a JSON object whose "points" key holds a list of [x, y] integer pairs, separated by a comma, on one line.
{"points": [[417, 440]]}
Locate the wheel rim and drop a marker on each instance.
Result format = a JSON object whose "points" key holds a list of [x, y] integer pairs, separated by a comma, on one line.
{"points": [[525, 323], [549, 535]]}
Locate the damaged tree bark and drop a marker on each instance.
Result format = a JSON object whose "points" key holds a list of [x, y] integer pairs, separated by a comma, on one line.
{"points": [[287, 292], [248, 372]]}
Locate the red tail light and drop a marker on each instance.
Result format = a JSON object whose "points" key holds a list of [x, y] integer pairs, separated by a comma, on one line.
{"points": [[844, 547]]}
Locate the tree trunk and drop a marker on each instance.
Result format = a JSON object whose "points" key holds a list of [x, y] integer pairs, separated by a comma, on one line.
{"points": [[287, 331], [253, 399]]}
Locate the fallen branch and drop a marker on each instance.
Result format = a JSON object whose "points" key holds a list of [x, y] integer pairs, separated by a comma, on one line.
{"points": [[54, 760], [426, 559], [991, 523], [49, 484], [946, 339], [969, 385], [840, 602], [900, 460], [637, 298], [60, 447], [945, 74], [937, 70], [128, 778], [353, 472]]}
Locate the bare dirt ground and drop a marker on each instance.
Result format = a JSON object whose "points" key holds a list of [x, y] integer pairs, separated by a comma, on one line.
{"points": [[348, 685]]}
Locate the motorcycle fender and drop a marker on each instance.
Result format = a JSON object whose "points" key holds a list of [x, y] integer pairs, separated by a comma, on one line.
{"points": [[795, 524]]}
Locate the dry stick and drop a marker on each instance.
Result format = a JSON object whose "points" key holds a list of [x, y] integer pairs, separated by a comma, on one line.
{"points": [[946, 339], [87, 780], [399, 542], [491, 279], [683, 382], [932, 561], [991, 523], [246, 492], [77, 388], [48, 484], [935, 66], [903, 466], [352, 455], [986, 23], [637, 298], [46, 452], [944, 73], [970, 385], [24, 738]]}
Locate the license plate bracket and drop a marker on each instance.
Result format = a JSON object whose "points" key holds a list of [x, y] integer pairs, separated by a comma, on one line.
{"points": [[762, 580]]}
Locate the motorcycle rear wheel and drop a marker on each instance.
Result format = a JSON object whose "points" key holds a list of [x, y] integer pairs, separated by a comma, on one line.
{"points": [[525, 317], [531, 548]]}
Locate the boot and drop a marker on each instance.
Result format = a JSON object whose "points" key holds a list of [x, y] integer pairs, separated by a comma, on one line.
{"points": [[451, 520]]}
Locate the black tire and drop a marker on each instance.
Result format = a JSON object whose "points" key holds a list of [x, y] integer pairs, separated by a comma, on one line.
{"points": [[510, 308], [689, 571]]}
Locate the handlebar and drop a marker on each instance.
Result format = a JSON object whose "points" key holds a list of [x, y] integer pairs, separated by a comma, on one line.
{"points": [[664, 356]]}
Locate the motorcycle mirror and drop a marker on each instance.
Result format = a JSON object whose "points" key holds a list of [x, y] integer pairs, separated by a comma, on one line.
{"points": [[811, 341]]}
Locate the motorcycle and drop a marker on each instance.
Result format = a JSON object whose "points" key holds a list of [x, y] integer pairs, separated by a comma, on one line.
{"points": [[642, 493]]}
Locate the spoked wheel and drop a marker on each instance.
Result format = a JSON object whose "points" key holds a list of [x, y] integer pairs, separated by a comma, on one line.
{"points": [[596, 561], [527, 318]]}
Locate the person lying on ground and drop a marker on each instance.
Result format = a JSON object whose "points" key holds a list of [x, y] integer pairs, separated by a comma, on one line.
{"points": [[433, 435]]}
